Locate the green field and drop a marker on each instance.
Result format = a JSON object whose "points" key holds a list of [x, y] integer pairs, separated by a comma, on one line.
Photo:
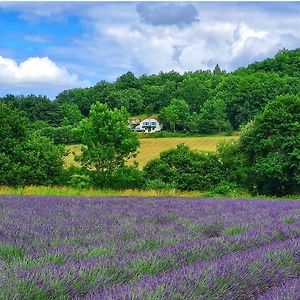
{"points": [[151, 147]]}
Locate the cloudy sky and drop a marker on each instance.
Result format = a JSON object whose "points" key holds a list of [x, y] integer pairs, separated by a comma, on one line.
{"points": [[48, 47]]}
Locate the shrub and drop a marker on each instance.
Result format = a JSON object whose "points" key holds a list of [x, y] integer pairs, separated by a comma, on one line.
{"points": [[158, 184], [80, 181], [185, 169], [225, 188], [125, 177]]}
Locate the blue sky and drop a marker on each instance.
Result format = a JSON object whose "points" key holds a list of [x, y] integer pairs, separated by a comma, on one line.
{"points": [[48, 47]]}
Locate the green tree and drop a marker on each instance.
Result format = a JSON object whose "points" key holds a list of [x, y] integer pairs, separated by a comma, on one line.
{"points": [[108, 140], [246, 95], [213, 117], [130, 99], [37, 108], [72, 114], [26, 158], [195, 91], [175, 115], [127, 81], [271, 148]]}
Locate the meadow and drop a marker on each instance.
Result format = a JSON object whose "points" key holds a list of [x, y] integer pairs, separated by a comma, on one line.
{"points": [[150, 148], [148, 248]]}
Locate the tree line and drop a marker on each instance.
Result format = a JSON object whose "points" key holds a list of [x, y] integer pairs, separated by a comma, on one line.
{"points": [[194, 102], [265, 160], [263, 103]]}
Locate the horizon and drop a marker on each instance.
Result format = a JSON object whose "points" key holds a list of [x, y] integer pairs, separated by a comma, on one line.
{"points": [[50, 47]]}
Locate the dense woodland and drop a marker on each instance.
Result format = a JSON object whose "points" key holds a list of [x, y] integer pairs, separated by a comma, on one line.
{"points": [[200, 102], [195, 102]]}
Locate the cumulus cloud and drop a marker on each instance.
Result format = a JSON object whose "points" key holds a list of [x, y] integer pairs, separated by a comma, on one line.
{"points": [[167, 13], [153, 37], [34, 71]]}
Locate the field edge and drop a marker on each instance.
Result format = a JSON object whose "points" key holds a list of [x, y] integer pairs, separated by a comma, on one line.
{"points": [[68, 191]]}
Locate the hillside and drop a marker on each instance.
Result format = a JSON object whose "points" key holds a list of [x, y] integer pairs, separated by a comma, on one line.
{"points": [[206, 102]]}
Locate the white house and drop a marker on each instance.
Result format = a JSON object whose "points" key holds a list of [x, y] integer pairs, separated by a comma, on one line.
{"points": [[148, 125]]}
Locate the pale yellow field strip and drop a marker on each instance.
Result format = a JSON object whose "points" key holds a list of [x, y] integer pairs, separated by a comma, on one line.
{"points": [[151, 147]]}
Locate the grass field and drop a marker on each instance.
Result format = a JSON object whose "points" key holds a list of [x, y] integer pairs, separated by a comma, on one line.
{"points": [[160, 248], [151, 147]]}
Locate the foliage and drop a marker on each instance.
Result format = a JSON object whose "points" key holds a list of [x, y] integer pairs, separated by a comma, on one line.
{"points": [[211, 119], [246, 95], [175, 115], [125, 177], [37, 108], [232, 161], [195, 90], [271, 148], [227, 189], [26, 158], [284, 63], [107, 139], [60, 135], [185, 169], [72, 114]]}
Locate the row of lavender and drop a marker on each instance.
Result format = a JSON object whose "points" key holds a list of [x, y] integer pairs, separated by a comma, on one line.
{"points": [[148, 248]]}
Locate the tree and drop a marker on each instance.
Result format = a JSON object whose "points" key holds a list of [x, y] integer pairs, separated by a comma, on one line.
{"points": [[175, 115], [72, 114], [108, 140], [26, 158], [37, 108], [217, 69], [246, 95], [213, 117], [127, 81], [130, 99], [271, 148], [195, 91]]}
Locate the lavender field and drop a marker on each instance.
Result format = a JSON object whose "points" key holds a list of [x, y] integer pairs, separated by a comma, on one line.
{"points": [[148, 248]]}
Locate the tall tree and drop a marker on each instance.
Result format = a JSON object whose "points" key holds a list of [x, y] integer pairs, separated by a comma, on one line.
{"points": [[108, 140], [26, 158], [195, 91], [271, 147], [175, 115], [213, 117]]}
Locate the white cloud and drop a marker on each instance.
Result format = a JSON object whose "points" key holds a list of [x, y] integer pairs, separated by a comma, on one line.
{"points": [[115, 40], [34, 71]]}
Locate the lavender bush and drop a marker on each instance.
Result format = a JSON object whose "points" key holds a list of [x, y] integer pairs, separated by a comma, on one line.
{"points": [[148, 248]]}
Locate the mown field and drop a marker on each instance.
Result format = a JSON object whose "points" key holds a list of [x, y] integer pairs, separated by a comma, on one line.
{"points": [[148, 248], [151, 147]]}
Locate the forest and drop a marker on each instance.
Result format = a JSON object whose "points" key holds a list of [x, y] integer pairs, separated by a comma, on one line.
{"points": [[201, 102]]}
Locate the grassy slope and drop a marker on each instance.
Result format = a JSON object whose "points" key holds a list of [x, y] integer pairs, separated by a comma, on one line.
{"points": [[151, 147]]}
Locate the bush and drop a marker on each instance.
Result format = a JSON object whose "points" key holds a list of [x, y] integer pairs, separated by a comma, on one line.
{"points": [[125, 177], [128, 177], [80, 181], [225, 188], [185, 169], [233, 166], [158, 184]]}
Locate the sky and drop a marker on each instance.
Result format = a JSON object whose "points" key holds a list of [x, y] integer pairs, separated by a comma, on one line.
{"points": [[47, 47]]}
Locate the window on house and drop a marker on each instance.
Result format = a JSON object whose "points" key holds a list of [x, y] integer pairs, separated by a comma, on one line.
{"points": [[153, 123], [146, 123]]}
